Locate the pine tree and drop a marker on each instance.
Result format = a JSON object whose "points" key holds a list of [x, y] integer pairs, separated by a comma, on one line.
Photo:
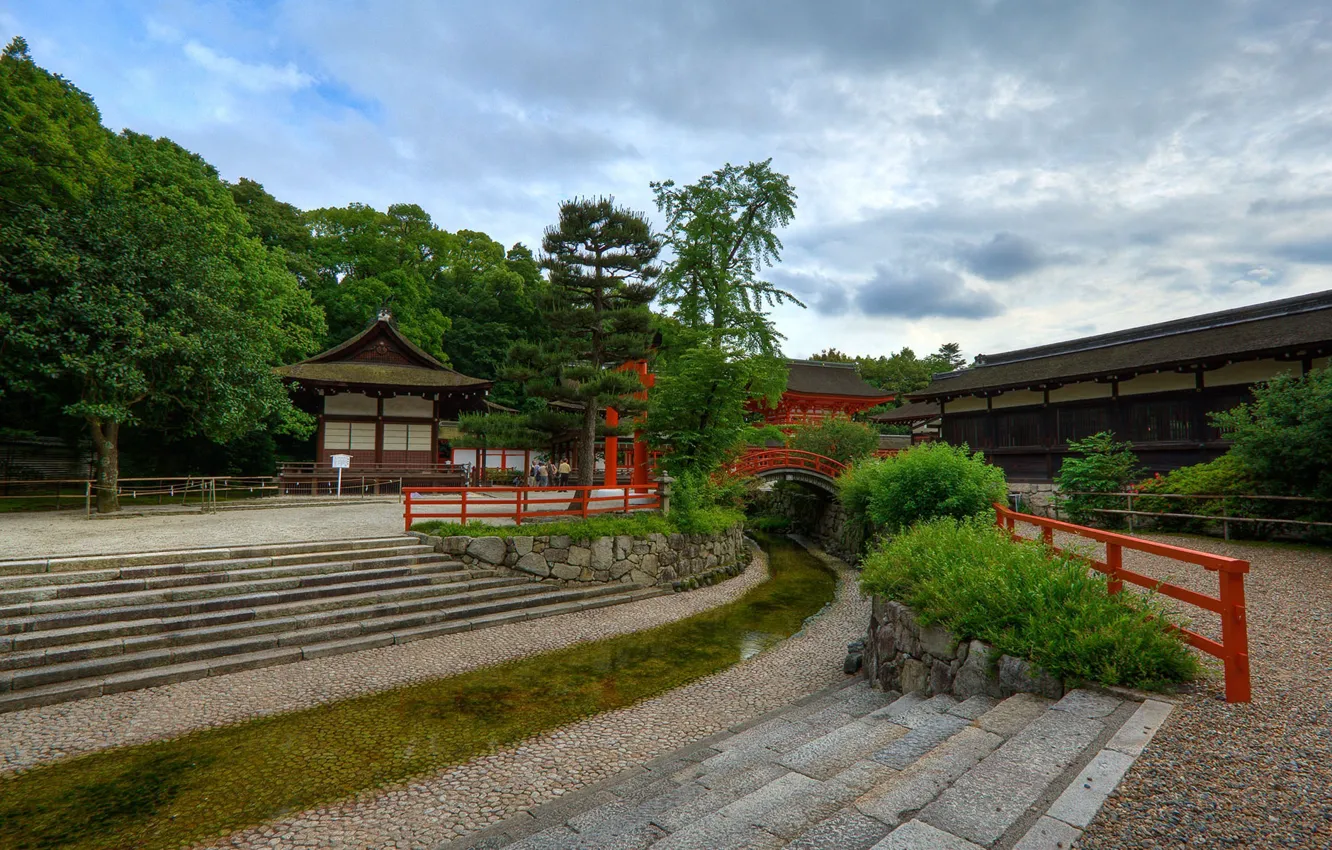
{"points": [[601, 260]]}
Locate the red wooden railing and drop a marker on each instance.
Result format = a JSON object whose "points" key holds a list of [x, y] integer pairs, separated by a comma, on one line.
{"points": [[459, 504], [1233, 650], [755, 461]]}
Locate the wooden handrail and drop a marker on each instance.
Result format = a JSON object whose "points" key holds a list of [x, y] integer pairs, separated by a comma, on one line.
{"points": [[1233, 649], [524, 503]]}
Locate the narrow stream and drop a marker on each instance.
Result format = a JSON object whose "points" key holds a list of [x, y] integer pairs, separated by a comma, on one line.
{"points": [[172, 793]]}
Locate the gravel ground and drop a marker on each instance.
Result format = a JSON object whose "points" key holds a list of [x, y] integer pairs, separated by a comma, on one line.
{"points": [[486, 790], [33, 535], [41, 734], [1255, 775]]}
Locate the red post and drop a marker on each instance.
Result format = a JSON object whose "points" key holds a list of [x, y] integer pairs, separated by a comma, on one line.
{"points": [[1114, 562], [1047, 535], [407, 512], [518, 494], [612, 448], [462, 515], [1235, 637]]}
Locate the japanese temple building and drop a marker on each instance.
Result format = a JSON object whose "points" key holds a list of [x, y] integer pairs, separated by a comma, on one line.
{"points": [[383, 401], [1152, 386], [817, 390]]}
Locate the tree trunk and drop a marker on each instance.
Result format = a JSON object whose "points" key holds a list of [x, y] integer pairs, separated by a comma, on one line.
{"points": [[106, 441], [587, 445]]}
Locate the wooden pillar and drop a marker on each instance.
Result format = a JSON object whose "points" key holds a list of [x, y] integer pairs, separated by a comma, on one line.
{"points": [[641, 472], [612, 448]]}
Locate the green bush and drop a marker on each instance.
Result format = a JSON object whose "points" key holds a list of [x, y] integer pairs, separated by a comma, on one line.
{"points": [[924, 482], [1283, 438], [1028, 602], [712, 520], [1105, 466], [840, 439], [771, 523]]}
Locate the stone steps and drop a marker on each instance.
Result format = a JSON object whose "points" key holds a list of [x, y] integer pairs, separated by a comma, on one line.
{"points": [[157, 618], [854, 769]]}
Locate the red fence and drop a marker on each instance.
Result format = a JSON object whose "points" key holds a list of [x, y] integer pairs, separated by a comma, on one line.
{"points": [[1229, 604], [460, 504], [755, 461]]}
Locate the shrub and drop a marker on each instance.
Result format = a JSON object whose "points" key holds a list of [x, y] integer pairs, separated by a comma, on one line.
{"points": [[1283, 438], [1105, 466], [707, 521], [924, 482], [1226, 476], [1028, 602], [840, 439], [771, 523]]}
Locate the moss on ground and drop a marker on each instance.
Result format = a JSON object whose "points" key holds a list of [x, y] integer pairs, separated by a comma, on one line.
{"points": [[708, 521], [209, 783]]}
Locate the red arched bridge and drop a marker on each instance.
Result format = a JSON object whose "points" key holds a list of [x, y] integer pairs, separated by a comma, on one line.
{"points": [[789, 465]]}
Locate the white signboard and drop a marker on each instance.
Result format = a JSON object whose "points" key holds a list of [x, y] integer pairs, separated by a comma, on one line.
{"points": [[342, 461]]}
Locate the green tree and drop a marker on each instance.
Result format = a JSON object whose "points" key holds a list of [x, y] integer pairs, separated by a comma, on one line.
{"points": [[1097, 464], [279, 226], [697, 411], [53, 149], [150, 301], [601, 260], [723, 232], [840, 439], [1283, 438], [369, 260]]}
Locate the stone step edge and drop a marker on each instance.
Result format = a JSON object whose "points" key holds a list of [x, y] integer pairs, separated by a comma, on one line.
{"points": [[66, 692], [156, 625], [147, 659], [211, 604], [144, 572], [242, 586], [115, 645], [61, 563]]}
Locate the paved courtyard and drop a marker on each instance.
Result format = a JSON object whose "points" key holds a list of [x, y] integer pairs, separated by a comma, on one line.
{"points": [[24, 535]]}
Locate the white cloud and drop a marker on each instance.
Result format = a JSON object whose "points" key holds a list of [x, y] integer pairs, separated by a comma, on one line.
{"points": [[254, 77]]}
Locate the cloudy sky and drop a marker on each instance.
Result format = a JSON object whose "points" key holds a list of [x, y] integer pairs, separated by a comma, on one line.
{"points": [[990, 172]]}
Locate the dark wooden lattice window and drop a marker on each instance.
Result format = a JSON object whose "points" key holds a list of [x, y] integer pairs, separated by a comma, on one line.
{"points": [[1161, 421], [1079, 423], [1017, 429], [971, 430]]}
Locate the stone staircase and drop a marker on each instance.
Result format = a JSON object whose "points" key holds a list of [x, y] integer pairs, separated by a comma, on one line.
{"points": [[79, 627], [856, 769]]}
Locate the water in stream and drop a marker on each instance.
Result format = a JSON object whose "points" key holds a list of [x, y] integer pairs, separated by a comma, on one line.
{"points": [[171, 793]]}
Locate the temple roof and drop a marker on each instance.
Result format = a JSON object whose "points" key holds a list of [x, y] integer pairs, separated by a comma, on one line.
{"points": [[919, 411], [379, 356], [818, 377], [1300, 324]]}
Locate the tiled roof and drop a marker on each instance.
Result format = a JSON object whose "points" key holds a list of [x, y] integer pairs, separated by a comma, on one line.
{"points": [[917, 411], [819, 377], [1292, 324]]}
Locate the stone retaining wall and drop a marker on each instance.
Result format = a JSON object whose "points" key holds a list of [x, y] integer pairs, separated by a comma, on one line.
{"points": [[657, 559], [819, 517], [902, 655]]}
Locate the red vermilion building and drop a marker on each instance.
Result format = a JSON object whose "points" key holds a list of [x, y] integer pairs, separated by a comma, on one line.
{"points": [[817, 390]]}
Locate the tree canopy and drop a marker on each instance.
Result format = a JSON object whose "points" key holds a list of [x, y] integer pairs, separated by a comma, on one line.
{"points": [[723, 232]]}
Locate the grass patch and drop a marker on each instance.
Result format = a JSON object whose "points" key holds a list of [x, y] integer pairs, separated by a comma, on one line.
{"points": [[176, 792], [1028, 602], [640, 524]]}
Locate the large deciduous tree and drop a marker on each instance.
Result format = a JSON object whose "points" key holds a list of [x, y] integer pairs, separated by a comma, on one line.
{"points": [[601, 260], [150, 300], [723, 232]]}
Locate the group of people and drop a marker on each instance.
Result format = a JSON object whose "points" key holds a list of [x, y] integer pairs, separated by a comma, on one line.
{"points": [[548, 473]]}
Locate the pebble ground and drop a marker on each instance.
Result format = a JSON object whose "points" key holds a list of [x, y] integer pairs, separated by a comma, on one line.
{"points": [[1222, 775], [41, 734], [33, 535], [460, 800]]}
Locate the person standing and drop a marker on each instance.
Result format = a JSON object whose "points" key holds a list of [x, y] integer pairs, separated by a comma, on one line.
{"points": [[565, 469], [542, 474]]}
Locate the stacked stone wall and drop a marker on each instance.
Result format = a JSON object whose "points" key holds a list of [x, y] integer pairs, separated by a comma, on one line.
{"points": [[819, 517], [677, 560], [902, 655]]}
